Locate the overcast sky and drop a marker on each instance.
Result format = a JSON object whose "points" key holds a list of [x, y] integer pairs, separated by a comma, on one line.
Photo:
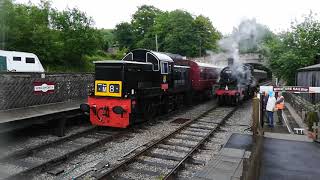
{"points": [[224, 14]]}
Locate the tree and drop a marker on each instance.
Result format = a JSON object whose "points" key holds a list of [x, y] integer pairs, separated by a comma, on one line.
{"points": [[206, 34], [77, 36], [108, 38], [142, 22], [60, 39], [180, 33], [294, 49], [124, 36]]}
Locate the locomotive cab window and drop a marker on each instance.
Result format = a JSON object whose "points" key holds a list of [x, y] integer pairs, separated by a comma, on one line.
{"points": [[164, 68], [128, 57], [154, 61]]}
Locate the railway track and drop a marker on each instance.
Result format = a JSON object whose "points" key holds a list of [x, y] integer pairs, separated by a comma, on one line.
{"points": [[20, 164], [24, 163], [168, 154]]}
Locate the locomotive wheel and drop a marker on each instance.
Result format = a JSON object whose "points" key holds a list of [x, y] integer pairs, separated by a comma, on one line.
{"points": [[220, 100], [237, 100]]}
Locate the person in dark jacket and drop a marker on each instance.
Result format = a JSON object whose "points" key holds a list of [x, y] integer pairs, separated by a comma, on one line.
{"points": [[264, 105]]}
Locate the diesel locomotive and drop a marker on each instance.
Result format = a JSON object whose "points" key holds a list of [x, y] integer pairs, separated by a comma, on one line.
{"points": [[143, 84]]}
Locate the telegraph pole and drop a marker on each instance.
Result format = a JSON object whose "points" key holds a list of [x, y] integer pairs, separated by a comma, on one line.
{"points": [[156, 42], [200, 48]]}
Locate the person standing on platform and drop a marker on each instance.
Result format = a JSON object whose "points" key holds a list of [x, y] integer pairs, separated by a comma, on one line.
{"points": [[270, 107], [264, 105], [280, 107]]}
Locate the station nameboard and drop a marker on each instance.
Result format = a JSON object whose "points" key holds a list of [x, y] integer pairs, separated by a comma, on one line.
{"points": [[292, 89], [43, 87]]}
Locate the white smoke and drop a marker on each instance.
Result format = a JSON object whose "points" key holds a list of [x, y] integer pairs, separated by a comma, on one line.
{"points": [[245, 38]]}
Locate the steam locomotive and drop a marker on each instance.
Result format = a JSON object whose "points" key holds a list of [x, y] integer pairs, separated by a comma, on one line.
{"points": [[238, 82], [143, 84]]}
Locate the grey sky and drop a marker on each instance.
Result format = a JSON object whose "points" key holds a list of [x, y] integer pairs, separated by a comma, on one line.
{"points": [[224, 14]]}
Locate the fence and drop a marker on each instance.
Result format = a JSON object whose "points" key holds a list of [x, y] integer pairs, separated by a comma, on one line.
{"points": [[18, 90], [300, 104]]}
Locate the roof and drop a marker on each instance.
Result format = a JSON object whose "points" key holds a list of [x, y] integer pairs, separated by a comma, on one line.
{"points": [[120, 61], [206, 65], [178, 66], [315, 67], [17, 53], [159, 55]]}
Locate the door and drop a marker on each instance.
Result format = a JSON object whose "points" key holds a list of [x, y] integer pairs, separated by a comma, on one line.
{"points": [[3, 63]]}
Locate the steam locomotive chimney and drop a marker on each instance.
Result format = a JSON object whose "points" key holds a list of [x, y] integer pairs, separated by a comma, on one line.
{"points": [[230, 61]]}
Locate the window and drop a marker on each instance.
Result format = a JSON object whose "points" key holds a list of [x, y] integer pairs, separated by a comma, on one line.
{"points": [[164, 68], [154, 61], [16, 58], [30, 60], [128, 57]]}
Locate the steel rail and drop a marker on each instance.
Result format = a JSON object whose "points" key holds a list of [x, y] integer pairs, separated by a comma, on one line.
{"points": [[108, 174]]}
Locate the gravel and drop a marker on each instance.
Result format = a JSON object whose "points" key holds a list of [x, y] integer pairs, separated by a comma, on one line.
{"points": [[182, 141], [10, 169], [131, 175], [113, 151], [168, 152], [237, 123], [149, 168], [26, 142], [194, 133], [164, 161], [186, 136]]}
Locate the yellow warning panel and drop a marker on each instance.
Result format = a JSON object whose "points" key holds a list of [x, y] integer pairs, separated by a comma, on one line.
{"points": [[108, 88]]}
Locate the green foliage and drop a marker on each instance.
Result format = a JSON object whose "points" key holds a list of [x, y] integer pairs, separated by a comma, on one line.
{"points": [[60, 39], [312, 117], [108, 38], [294, 49], [177, 32], [124, 36]]}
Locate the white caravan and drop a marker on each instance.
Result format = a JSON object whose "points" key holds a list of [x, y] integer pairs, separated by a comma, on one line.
{"points": [[13, 61]]}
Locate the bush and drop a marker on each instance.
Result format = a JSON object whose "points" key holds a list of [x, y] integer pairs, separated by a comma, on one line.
{"points": [[312, 117]]}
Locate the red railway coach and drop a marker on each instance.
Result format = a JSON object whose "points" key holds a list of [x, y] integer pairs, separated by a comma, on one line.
{"points": [[203, 76]]}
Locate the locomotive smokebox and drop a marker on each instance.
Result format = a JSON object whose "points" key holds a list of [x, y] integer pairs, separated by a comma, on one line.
{"points": [[230, 61]]}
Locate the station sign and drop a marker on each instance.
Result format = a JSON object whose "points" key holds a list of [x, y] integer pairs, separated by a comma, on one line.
{"points": [[43, 87], [292, 89]]}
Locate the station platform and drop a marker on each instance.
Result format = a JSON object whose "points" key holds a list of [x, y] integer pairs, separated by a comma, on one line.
{"points": [[277, 155], [292, 158], [40, 110], [21, 117]]}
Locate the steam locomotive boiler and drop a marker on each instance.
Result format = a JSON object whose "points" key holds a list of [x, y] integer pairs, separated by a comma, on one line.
{"points": [[236, 84]]}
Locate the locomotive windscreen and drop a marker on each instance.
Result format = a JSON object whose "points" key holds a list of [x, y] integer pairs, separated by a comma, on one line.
{"points": [[109, 72]]}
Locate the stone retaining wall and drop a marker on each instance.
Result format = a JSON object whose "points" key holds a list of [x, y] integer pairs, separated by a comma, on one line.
{"points": [[17, 90]]}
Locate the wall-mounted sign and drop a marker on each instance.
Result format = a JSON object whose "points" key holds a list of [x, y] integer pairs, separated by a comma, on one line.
{"points": [[297, 89], [43, 87], [292, 89]]}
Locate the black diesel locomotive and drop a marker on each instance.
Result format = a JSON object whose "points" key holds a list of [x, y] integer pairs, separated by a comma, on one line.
{"points": [[138, 87]]}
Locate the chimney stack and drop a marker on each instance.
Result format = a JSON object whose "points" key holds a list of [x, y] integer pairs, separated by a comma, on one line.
{"points": [[230, 61]]}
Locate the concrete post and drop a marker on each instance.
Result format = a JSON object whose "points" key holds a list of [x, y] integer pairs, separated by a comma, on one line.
{"points": [[255, 115]]}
